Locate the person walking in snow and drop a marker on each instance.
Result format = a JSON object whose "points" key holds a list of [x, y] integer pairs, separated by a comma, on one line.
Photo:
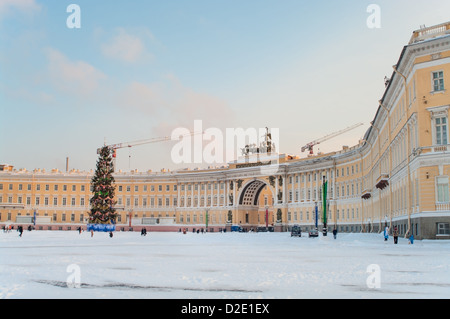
{"points": [[335, 232], [411, 239], [395, 234], [20, 229], [386, 233]]}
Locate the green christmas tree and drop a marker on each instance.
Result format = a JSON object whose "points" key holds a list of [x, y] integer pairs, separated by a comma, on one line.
{"points": [[103, 190]]}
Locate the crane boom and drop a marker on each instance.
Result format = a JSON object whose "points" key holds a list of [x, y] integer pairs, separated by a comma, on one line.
{"points": [[310, 145], [147, 141], [114, 147]]}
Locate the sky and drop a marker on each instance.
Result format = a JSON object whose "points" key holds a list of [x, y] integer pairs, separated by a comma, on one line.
{"points": [[137, 70]]}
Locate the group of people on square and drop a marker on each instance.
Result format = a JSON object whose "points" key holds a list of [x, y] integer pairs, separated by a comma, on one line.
{"points": [[395, 234]]}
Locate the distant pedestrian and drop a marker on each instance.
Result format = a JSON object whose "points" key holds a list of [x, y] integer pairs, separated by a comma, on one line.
{"points": [[334, 233], [79, 230], [395, 234], [110, 234], [386, 233], [411, 239], [20, 229]]}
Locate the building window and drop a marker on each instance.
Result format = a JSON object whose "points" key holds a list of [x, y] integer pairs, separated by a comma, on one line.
{"points": [[438, 81], [443, 229], [441, 130], [442, 195]]}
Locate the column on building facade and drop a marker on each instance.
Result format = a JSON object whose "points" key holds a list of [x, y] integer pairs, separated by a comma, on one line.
{"points": [[227, 192], [185, 195], [205, 193], [292, 188], [234, 194], [221, 193], [178, 196], [192, 195], [196, 191], [276, 190], [213, 195]]}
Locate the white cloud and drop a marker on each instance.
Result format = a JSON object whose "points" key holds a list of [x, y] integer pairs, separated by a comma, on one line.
{"points": [[23, 5], [74, 77], [125, 47], [147, 98], [173, 104]]}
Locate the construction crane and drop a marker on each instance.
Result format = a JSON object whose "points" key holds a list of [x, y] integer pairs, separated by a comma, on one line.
{"points": [[310, 145], [115, 147]]}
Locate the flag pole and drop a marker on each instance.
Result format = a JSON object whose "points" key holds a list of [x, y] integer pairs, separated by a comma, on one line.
{"points": [[316, 211], [324, 205]]}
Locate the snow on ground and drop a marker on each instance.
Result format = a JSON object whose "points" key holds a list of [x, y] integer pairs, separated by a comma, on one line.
{"points": [[220, 266]]}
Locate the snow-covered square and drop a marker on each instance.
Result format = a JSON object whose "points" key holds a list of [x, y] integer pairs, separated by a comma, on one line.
{"points": [[56, 264]]}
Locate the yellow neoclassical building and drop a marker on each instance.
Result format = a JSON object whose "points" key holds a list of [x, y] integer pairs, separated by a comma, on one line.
{"points": [[398, 175]]}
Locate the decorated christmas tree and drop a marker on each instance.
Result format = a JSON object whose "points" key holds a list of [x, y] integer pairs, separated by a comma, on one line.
{"points": [[103, 189]]}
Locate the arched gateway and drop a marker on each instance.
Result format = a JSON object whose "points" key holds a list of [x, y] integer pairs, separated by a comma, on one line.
{"points": [[255, 205]]}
